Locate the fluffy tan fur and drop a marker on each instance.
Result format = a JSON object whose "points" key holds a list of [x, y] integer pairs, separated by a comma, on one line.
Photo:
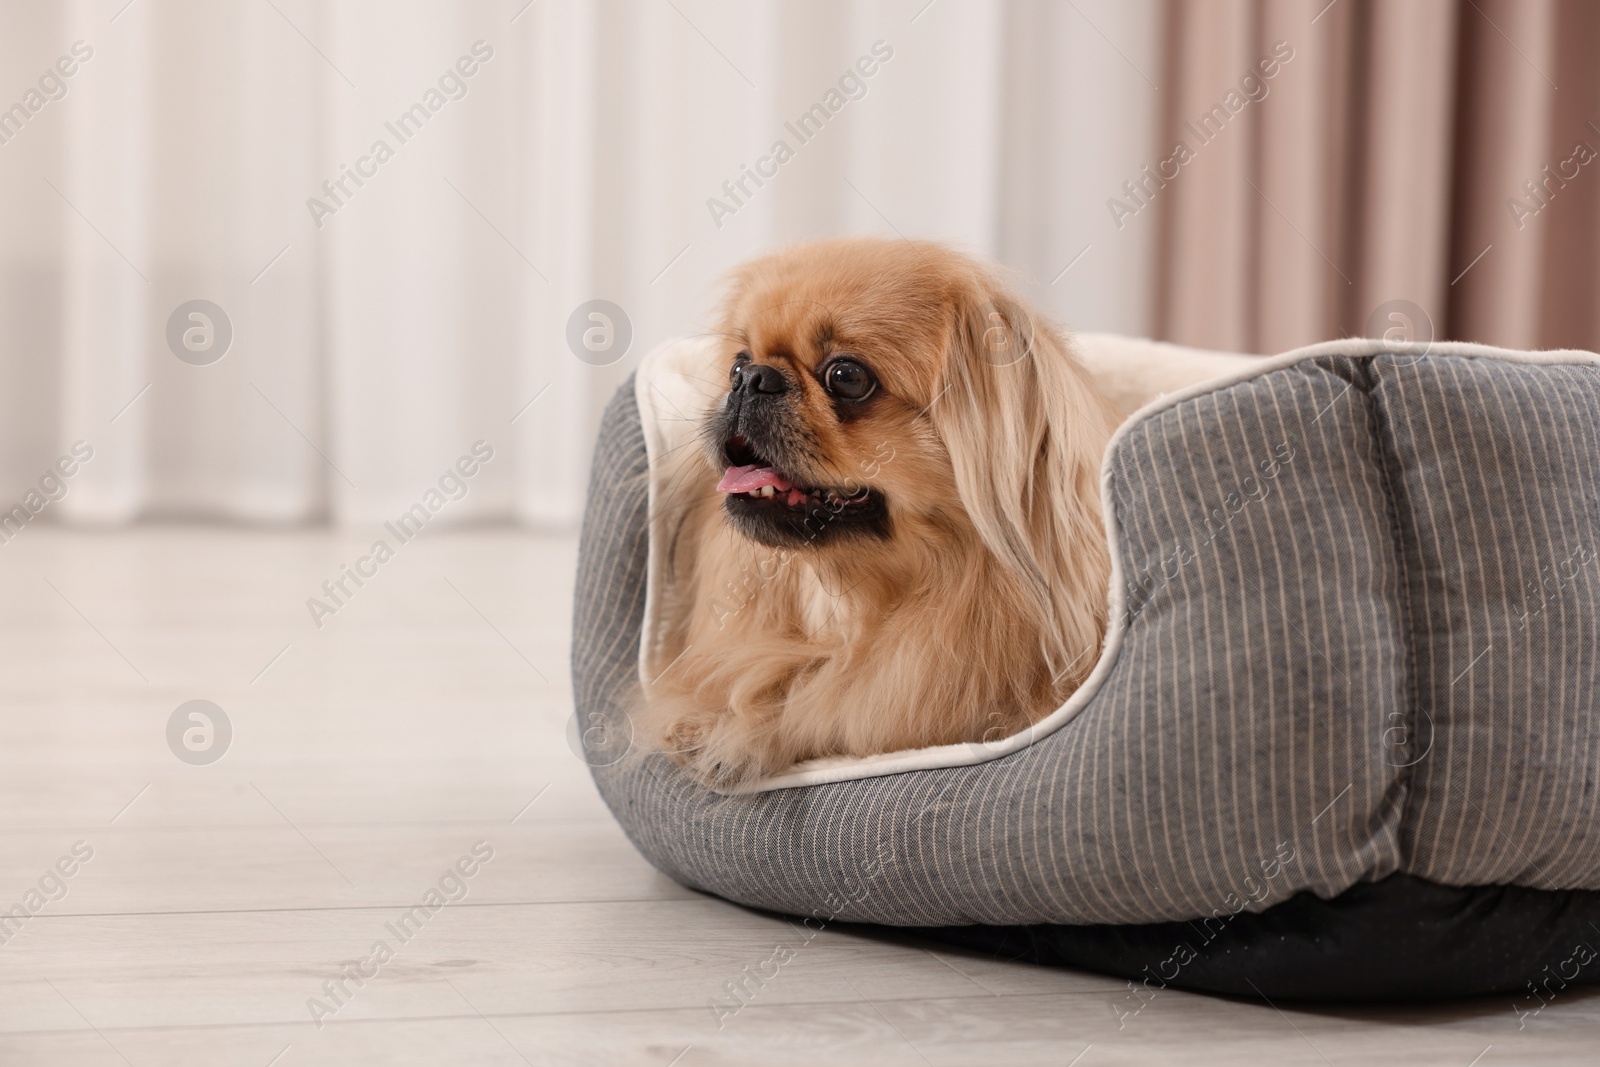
{"points": [[984, 605]]}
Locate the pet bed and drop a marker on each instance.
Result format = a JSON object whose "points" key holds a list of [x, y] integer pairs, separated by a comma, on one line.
{"points": [[1349, 688]]}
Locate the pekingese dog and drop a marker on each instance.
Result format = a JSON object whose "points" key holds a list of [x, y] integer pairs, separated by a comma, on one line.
{"points": [[893, 536]]}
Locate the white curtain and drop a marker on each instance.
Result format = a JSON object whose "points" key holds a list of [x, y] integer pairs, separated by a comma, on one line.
{"points": [[378, 336]]}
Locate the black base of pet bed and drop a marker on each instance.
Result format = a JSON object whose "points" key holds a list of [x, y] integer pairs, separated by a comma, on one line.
{"points": [[1400, 939]]}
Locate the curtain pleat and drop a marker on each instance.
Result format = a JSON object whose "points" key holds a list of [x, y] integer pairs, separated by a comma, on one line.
{"points": [[1209, 246], [1569, 313], [1402, 209], [1505, 139], [99, 183], [1301, 273], [1080, 111]]}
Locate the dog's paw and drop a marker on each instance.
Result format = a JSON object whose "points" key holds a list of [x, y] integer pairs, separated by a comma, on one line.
{"points": [[684, 738], [712, 749]]}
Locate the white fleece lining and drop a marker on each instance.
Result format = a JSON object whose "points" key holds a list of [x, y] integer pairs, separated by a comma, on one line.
{"points": [[677, 382]]}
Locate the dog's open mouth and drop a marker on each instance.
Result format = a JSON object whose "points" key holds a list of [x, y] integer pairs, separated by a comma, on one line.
{"points": [[774, 508], [765, 483]]}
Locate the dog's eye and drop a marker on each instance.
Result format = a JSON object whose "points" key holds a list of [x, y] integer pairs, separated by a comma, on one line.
{"points": [[849, 380], [738, 364]]}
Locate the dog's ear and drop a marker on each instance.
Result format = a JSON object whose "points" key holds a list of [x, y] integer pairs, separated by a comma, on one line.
{"points": [[1026, 431]]}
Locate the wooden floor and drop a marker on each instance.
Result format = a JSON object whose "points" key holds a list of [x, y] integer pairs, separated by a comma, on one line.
{"points": [[428, 714]]}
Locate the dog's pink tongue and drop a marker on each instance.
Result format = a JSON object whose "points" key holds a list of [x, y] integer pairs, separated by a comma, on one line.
{"points": [[744, 479]]}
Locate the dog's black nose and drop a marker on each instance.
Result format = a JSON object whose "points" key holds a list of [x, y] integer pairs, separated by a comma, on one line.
{"points": [[759, 378]]}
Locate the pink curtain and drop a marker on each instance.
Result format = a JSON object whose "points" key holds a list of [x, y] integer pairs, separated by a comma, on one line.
{"points": [[1419, 167]]}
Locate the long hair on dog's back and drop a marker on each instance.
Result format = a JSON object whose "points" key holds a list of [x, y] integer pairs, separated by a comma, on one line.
{"points": [[906, 546]]}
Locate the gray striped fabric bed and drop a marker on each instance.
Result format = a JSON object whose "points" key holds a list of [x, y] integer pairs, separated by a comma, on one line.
{"points": [[1361, 621]]}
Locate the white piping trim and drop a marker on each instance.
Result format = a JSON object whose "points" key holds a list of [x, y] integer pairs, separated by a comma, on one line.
{"points": [[666, 374]]}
